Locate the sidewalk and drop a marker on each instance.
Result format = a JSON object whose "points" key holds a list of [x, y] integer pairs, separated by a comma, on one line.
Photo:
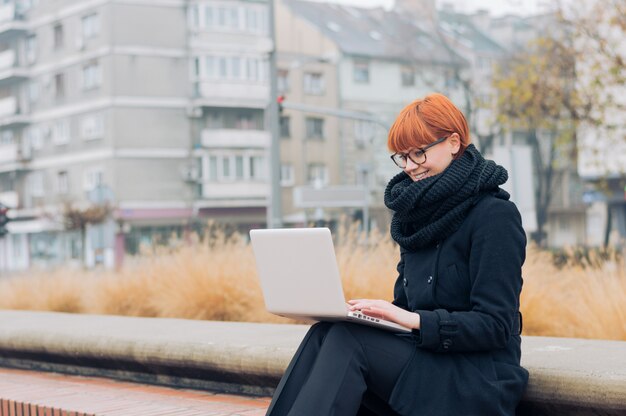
{"points": [[29, 393]]}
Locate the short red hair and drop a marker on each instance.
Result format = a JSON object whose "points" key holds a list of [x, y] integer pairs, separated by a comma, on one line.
{"points": [[426, 120]]}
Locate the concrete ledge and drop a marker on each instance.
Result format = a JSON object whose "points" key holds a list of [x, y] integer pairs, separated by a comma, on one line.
{"points": [[567, 376]]}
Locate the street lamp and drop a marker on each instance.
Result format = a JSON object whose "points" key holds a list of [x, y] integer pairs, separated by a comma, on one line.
{"points": [[274, 209]]}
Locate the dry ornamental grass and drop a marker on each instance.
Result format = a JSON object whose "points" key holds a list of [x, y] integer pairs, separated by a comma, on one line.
{"points": [[214, 278]]}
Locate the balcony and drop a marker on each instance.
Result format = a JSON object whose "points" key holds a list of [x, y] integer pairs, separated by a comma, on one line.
{"points": [[8, 153], [235, 194], [204, 39], [11, 158], [10, 69], [231, 94], [10, 22], [231, 138], [10, 199], [11, 114]]}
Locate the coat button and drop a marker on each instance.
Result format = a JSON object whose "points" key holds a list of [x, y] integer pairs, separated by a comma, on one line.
{"points": [[447, 343], [404, 281], [430, 279]]}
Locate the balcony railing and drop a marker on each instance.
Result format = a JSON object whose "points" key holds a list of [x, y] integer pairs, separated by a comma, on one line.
{"points": [[8, 153], [10, 69], [7, 12], [8, 106], [11, 113], [7, 59], [10, 20], [13, 157], [232, 94], [234, 138], [235, 193]]}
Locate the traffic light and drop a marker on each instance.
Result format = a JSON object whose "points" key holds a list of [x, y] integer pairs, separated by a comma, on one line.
{"points": [[280, 100], [4, 219]]}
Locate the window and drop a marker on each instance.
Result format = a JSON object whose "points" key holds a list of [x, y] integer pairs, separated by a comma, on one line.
{"points": [[226, 170], [239, 167], [33, 91], [363, 132], [91, 26], [207, 67], [92, 127], [61, 132], [230, 167], [212, 168], [235, 68], [247, 18], [285, 127], [407, 75], [283, 80], [246, 121], [361, 72], [314, 128], [36, 184], [228, 17], [34, 137], [256, 20], [317, 174], [209, 16], [59, 86], [252, 20], [287, 175], [91, 76], [222, 69], [63, 185], [93, 178], [58, 36], [193, 16], [252, 67], [6, 137], [313, 83], [31, 49], [230, 68], [257, 168]]}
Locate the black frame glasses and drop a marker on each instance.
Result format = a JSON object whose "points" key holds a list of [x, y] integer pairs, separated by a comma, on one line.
{"points": [[400, 159]]}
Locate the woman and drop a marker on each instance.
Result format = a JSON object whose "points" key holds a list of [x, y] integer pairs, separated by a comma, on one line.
{"points": [[462, 247]]}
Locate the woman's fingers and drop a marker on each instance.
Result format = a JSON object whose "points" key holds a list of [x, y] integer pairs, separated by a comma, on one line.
{"points": [[374, 312], [358, 304], [382, 309]]}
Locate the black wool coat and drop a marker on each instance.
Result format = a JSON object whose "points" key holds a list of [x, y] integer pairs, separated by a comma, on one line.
{"points": [[466, 290]]}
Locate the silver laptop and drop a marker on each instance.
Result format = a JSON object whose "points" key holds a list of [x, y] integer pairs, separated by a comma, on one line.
{"points": [[300, 278]]}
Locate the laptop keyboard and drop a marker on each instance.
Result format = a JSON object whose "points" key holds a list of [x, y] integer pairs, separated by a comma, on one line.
{"points": [[359, 315]]}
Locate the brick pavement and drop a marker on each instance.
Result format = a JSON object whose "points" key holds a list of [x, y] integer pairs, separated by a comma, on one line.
{"points": [[29, 393]]}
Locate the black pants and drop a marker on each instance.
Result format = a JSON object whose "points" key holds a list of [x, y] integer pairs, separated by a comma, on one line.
{"points": [[342, 369]]}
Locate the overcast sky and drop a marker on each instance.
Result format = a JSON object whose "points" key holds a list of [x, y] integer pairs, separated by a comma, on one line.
{"points": [[496, 7]]}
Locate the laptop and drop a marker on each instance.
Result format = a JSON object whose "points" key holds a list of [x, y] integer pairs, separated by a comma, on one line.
{"points": [[300, 279]]}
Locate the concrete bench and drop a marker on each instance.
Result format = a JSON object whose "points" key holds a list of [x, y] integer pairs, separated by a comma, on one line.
{"points": [[567, 376]]}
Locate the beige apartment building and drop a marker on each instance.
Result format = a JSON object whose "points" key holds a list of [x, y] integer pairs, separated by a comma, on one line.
{"points": [[362, 64]]}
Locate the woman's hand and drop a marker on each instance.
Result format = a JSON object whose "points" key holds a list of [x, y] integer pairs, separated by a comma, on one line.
{"points": [[382, 309]]}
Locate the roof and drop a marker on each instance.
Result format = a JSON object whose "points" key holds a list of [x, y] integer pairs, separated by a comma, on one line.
{"points": [[460, 27], [375, 33]]}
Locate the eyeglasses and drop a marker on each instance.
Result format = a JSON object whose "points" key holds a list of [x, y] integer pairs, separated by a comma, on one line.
{"points": [[417, 156]]}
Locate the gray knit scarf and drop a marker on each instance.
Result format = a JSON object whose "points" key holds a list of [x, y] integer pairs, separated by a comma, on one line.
{"points": [[430, 210]]}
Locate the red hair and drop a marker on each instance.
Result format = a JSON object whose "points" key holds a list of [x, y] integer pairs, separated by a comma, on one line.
{"points": [[426, 120]]}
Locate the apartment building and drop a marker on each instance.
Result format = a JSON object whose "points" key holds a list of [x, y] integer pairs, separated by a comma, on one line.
{"points": [[156, 108], [379, 61]]}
